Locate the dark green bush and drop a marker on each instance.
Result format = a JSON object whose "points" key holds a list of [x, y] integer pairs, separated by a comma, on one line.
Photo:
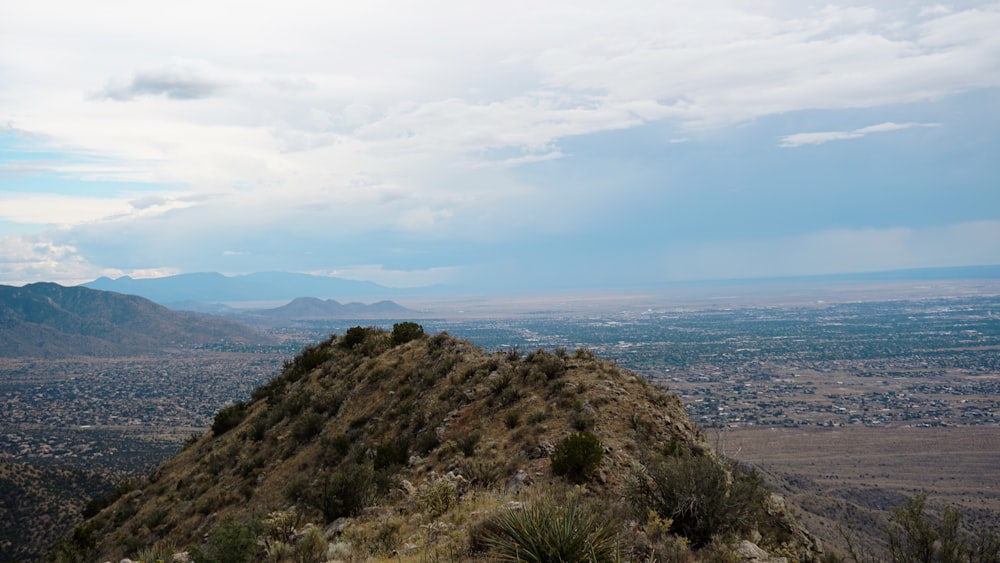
{"points": [[228, 418], [699, 496], [344, 492], [307, 426], [234, 542], [405, 332], [309, 359], [577, 457], [389, 454], [512, 419], [354, 336], [468, 442], [546, 532]]}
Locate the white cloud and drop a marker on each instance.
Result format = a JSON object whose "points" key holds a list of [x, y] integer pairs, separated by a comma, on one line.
{"points": [[339, 120], [58, 210], [25, 259], [799, 139]]}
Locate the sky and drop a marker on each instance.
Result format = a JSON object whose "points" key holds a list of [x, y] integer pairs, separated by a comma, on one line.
{"points": [[574, 144]]}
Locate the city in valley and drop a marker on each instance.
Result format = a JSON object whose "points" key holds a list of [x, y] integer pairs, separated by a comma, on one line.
{"points": [[838, 402]]}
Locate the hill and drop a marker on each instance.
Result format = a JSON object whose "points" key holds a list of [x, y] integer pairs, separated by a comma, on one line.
{"points": [[405, 447], [210, 287], [311, 308], [49, 320]]}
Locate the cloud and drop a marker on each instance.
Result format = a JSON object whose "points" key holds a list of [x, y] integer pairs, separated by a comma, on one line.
{"points": [[313, 130], [799, 139], [29, 259], [179, 80], [56, 209]]}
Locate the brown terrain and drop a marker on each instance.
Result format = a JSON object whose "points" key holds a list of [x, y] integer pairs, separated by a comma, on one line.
{"points": [[849, 477]]}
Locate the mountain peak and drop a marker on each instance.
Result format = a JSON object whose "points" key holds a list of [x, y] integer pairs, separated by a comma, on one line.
{"points": [[378, 443]]}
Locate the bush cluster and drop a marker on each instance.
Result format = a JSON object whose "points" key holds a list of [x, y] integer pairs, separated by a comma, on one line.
{"points": [[228, 418], [698, 494], [577, 456]]}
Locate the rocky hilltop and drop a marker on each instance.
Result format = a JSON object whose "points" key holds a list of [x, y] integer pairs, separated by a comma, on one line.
{"points": [[399, 446]]}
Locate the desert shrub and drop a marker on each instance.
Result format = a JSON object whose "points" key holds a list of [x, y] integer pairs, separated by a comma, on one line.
{"points": [[582, 419], [483, 473], [354, 336], [426, 441], [512, 419], [552, 366], [509, 396], [437, 497], [699, 496], [337, 446], [389, 454], [547, 532], [467, 443], [228, 418], [310, 358], [343, 492], [381, 538], [234, 542], [537, 417], [307, 426], [157, 552], [311, 547], [577, 456], [405, 332], [914, 536]]}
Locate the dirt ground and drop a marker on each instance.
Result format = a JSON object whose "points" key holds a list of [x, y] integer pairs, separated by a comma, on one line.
{"points": [[849, 477]]}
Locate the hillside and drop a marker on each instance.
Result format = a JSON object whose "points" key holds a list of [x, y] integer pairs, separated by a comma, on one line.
{"points": [[38, 503], [49, 320], [405, 447]]}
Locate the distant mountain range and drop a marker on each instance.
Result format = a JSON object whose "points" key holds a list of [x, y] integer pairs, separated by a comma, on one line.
{"points": [[200, 288], [311, 308], [49, 320]]}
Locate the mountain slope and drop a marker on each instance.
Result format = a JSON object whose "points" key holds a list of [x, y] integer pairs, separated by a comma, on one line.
{"points": [[27, 491], [399, 446], [47, 319]]}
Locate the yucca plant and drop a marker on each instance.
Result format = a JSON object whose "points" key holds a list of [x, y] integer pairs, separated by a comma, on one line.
{"points": [[544, 532]]}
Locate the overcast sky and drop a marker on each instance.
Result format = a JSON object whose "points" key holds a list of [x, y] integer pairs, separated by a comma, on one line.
{"points": [[536, 144]]}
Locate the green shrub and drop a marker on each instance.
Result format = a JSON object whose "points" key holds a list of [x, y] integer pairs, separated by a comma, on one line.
{"points": [[307, 426], [234, 542], [228, 418], [537, 417], [512, 419], [354, 336], [468, 442], [577, 457], [699, 496], [343, 492], [310, 358], [552, 366], [546, 532], [437, 497], [405, 332], [389, 454]]}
